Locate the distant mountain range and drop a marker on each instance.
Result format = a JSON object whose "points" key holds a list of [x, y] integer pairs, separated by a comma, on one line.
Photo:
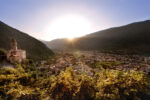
{"points": [[131, 39], [59, 44], [35, 49]]}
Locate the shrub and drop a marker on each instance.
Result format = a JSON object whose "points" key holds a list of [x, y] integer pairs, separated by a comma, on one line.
{"points": [[106, 65], [87, 89], [12, 82], [114, 84], [2, 54], [66, 85]]}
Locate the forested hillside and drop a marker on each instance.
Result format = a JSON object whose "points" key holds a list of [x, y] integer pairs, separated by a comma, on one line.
{"points": [[34, 48]]}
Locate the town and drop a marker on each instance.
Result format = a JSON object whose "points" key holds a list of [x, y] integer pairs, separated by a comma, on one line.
{"points": [[85, 61]]}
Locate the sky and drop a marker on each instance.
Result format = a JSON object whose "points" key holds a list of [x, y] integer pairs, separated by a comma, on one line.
{"points": [[51, 19]]}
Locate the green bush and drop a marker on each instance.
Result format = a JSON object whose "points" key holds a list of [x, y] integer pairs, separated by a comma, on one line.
{"points": [[120, 85], [105, 85], [87, 89], [66, 85], [3, 51], [2, 54], [106, 65]]}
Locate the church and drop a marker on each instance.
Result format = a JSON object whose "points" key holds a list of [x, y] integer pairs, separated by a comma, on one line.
{"points": [[15, 54]]}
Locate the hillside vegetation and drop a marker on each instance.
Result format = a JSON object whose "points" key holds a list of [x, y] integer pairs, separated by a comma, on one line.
{"points": [[34, 48]]}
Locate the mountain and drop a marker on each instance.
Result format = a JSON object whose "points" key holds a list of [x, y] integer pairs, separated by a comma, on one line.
{"points": [[59, 44], [133, 38], [34, 48]]}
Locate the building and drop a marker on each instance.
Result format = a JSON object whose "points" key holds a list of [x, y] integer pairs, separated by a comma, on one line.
{"points": [[15, 54]]}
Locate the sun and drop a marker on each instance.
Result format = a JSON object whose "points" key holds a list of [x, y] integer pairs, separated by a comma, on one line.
{"points": [[69, 26], [70, 38]]}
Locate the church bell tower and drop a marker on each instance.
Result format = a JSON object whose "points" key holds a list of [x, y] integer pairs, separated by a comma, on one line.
{"points": [[13, 44]]}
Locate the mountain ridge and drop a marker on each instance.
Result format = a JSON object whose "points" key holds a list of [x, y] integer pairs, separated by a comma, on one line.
{"points": [[131, 38]]}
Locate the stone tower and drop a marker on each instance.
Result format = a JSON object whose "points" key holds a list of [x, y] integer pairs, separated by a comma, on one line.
{"points": [[13, 44]]}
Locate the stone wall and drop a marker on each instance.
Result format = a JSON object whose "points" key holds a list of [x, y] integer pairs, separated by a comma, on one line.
{"points": [[16, 56]]}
